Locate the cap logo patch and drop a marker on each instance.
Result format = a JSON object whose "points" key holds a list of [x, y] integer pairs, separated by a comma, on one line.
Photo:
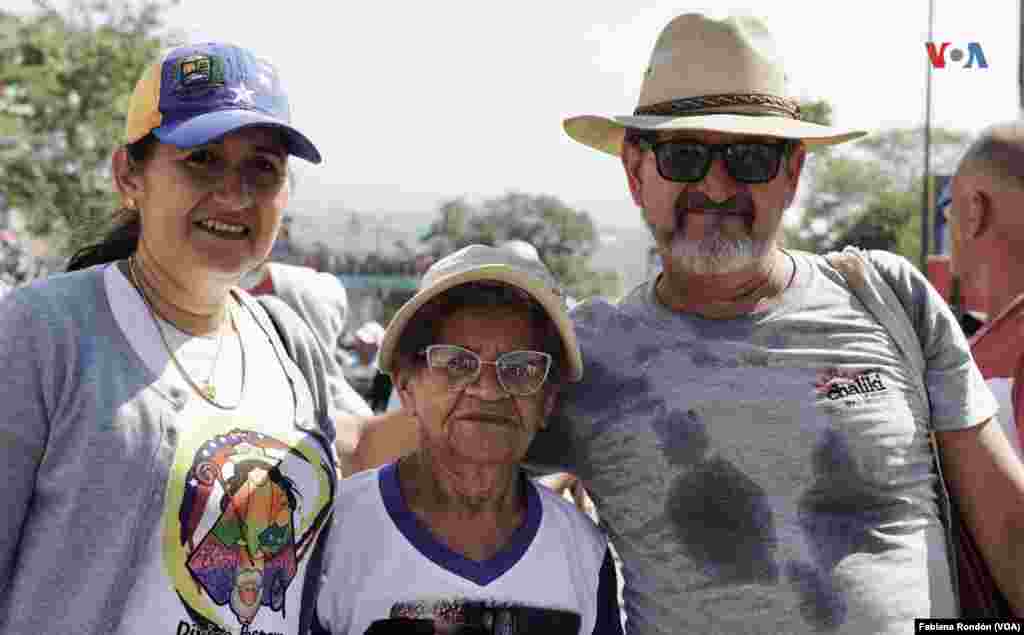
{"points": [[198, 74]]}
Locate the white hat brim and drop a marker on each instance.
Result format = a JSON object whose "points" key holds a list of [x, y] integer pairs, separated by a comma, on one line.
{"points": [[551, 303], [606, 134]]}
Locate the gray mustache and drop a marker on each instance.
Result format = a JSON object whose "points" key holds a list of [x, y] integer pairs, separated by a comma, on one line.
{"points": [[693, 201]]}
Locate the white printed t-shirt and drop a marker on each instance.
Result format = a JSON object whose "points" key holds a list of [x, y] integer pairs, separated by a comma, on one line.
{"points": [[384, 563], [248, 494]]}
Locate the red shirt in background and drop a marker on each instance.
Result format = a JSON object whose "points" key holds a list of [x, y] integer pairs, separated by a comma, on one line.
{"points": [[998, 349]]}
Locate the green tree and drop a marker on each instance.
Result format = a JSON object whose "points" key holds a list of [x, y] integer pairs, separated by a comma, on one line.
{"points": [[816, 111], [868, 193], [446, 234], [565, 238], [65, 78]]}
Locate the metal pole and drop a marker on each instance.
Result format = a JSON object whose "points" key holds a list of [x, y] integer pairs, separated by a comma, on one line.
{"points": [[925, 211]]}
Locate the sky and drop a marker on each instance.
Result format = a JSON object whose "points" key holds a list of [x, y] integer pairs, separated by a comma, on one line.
{"points": [[414, 103]]}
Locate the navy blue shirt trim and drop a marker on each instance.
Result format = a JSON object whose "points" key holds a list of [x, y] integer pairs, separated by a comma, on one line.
{"points": [[422, 539], [609, 615]]}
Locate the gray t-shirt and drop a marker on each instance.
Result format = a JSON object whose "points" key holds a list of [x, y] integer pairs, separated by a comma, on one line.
{"points": [[769, 473]]}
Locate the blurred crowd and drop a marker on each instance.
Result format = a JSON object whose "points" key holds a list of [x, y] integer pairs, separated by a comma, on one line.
{"points": [[17, 263]]}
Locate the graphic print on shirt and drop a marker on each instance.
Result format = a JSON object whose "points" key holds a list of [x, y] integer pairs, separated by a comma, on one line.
{"points": [[451, 614], [250, 509], [850, 387]]}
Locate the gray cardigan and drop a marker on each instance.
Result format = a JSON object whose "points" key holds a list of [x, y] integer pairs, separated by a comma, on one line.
{"points": [[86, 445]]}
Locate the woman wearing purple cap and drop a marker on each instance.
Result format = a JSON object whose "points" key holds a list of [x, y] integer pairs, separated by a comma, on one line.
{"points": [[167, 465]]}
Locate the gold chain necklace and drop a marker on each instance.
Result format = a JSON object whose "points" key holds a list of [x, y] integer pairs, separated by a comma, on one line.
{"points": [[208, 386], [207, 391]]}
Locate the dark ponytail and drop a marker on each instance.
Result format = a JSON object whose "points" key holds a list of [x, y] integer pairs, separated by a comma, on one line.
{"points": [[123, 238]]}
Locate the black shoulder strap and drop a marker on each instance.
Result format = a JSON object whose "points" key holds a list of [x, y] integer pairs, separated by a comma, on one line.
{"points": [[305, 351]]}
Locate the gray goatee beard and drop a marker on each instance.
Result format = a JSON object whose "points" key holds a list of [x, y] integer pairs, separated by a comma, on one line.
{"points": [[712, 254], [716, 254]]}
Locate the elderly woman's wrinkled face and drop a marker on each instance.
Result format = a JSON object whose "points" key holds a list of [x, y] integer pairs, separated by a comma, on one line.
{"points": [[479, 423]]}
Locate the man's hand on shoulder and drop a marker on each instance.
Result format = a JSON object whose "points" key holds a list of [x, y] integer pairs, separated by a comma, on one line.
{"points": [[380, 439]]}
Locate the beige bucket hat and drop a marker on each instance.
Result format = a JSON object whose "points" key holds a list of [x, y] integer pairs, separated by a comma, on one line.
{"points": [[477, 263], [710, 75]]}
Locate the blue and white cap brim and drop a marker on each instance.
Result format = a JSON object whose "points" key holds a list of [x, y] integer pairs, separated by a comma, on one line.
{"points": [[211, 126]]}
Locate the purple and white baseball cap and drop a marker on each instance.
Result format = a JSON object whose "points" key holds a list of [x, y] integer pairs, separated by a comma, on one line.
{"points": [[198, 93]]}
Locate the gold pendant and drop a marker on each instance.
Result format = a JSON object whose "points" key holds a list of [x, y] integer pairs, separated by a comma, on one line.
{"points": [[209, 391]]}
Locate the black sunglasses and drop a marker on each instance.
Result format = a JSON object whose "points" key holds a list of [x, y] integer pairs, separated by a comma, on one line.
{"points": [[686, 161]]}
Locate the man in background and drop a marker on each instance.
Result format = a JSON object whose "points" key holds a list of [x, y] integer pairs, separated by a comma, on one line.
{"points": [[366, 342], [986, 228]]}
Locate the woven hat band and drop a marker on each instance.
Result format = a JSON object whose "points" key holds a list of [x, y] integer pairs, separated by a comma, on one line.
{"points": [[741, 103]]}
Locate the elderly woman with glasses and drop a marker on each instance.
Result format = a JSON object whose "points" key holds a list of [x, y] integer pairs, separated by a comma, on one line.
{"points": [[454, 537]]}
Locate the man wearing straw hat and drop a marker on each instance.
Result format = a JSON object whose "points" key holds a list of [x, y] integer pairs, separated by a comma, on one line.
{"points": [[751, 435]]}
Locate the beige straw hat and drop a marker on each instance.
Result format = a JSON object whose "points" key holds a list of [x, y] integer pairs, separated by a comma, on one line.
{"points": [[495, 264], [710, 75]]}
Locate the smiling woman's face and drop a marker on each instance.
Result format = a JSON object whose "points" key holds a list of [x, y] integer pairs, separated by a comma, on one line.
{"points": [[480, 424], [215, 209]]}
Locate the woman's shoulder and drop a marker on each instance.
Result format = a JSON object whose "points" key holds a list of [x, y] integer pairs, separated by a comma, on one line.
{"points": [[47, 318], [360, 482], [567, 517], [60, 292], [357, 495]]}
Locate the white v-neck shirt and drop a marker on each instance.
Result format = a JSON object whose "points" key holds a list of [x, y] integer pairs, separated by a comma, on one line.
{"points": [[397, 568]]}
